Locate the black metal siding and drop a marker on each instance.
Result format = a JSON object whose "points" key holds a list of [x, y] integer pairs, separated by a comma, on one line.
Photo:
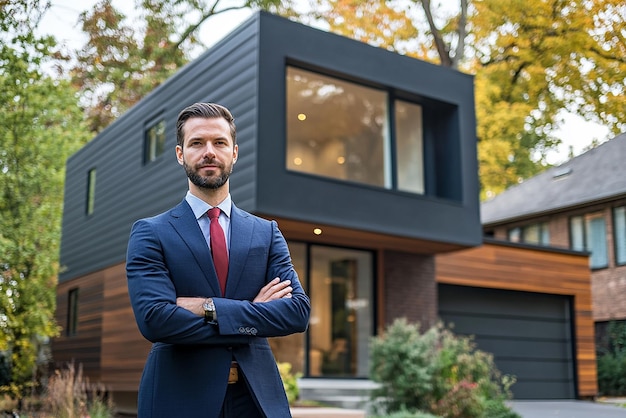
{"points": [[449, 213], [126, 188], [529, 334]]}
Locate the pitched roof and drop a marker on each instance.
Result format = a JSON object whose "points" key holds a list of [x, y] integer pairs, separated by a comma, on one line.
{"points": [[598, 174]]}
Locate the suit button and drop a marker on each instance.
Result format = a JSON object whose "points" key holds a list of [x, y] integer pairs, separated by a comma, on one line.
{"points": [[242, 330], [253, 331]]}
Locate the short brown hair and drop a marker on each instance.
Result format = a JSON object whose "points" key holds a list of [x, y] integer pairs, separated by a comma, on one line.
{"points": [[204, 110]]}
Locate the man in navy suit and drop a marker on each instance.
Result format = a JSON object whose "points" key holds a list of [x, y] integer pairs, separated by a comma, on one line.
{"points": [[210, 356]]}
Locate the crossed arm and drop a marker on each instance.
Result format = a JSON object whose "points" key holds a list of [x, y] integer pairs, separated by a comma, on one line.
{"points": [[272, 291]]}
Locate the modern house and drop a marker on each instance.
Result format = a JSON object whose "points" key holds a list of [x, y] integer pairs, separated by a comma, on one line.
{"points": [[367, 160], [580, 205]]}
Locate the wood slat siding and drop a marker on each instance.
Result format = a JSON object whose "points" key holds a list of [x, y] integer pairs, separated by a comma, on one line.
{"points": [[502, 266], [84, 347], [124, 350]]}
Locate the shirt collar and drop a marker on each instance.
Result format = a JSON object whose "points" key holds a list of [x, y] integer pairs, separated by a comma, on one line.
{"points": [[200, 207]]}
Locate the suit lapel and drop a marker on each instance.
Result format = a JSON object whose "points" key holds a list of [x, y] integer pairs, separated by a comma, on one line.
{"points": [[184, 222], [241, 227]]}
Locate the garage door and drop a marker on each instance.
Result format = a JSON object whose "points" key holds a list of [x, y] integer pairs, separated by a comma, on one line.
{"points": [[529, 334]]}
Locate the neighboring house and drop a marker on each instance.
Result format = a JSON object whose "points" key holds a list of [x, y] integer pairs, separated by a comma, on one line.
{"points": [[580, 205], [367, 160]]}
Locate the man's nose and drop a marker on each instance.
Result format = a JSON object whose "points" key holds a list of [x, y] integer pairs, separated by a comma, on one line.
{"points": [[209, 150]]}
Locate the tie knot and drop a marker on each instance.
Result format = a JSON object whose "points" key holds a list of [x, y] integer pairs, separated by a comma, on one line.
{"points": [[214, 213]]}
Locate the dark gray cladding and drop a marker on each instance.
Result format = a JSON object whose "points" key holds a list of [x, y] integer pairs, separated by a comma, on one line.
{"points": [[246, 72]]}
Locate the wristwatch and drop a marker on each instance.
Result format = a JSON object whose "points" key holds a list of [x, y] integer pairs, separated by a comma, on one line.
{"points": [[209, 311]]}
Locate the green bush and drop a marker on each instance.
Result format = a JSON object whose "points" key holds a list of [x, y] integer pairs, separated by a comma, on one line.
{"points": [[406, 414], [290, 382], [611, 360], [437, 372]]}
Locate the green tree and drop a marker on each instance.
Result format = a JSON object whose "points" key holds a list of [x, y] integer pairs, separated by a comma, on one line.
{"points": [[124, 60], [40, 125]]}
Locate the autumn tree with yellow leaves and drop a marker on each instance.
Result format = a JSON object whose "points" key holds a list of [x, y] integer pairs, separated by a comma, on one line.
{"points": [[531, 60]]}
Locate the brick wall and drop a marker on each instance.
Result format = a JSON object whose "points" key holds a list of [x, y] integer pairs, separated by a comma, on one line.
{"points": [[410, 288]]}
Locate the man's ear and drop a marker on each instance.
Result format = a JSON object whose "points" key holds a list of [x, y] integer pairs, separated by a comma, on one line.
{"points": [[179, 154]]}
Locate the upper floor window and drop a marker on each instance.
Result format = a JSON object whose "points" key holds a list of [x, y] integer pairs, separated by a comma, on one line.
{"points": [[343, 130], [588, 233], [91, 191], [538, 233], [154, 142], [619, 234]]}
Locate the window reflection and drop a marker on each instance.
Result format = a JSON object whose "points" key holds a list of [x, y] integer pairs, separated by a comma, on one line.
{"points": [[339, 282], [341, 130], [336, 129]]}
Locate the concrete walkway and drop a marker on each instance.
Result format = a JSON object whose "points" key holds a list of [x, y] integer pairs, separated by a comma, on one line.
{"points": [[568, 409]]}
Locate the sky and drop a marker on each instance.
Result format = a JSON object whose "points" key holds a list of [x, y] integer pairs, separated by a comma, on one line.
{"points": [[62, 22]]}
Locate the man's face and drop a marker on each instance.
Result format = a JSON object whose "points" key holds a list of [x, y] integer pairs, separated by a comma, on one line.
{"points": [[208, 152]]}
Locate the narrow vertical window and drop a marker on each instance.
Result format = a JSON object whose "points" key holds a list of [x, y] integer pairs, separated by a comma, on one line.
{"points": [[596, 241], [619, 234], [72, 312], [588, 233], [515, 234], [154, 143], [339, 335], [91, 191], [409, 147], [577, 233]]}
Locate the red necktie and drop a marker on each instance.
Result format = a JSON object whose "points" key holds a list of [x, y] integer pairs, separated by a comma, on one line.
{"points": [[218, 248]]}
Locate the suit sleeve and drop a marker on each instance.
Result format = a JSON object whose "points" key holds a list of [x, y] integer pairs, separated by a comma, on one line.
{"points": [[153, 296], [268, 319]]}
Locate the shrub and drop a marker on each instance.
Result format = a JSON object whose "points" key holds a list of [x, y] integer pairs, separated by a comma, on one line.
{"points": [[290, 382], [611, 360], [406, 414], [460, 401], [437, 372], [70, 395], [404, 362]]}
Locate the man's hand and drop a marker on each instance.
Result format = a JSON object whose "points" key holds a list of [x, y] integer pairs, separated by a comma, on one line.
{"points": [[271, 291], [274, 290], [192, 304]]}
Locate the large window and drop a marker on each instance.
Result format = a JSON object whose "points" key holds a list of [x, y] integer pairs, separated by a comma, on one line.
{"points": [[588, 233], [619, 234], [344, 130], [339, 282], [538, 234], [154, 144]]}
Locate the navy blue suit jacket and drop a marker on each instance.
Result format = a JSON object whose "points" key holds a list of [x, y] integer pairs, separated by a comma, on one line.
{"points": [[186, 373]]}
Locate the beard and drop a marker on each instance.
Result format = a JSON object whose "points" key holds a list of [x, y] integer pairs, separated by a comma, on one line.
{"points": [[208, 182]]}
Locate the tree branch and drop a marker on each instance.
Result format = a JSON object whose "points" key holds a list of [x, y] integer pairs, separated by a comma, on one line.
{"points": [[442, 49], [461, 33]]}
